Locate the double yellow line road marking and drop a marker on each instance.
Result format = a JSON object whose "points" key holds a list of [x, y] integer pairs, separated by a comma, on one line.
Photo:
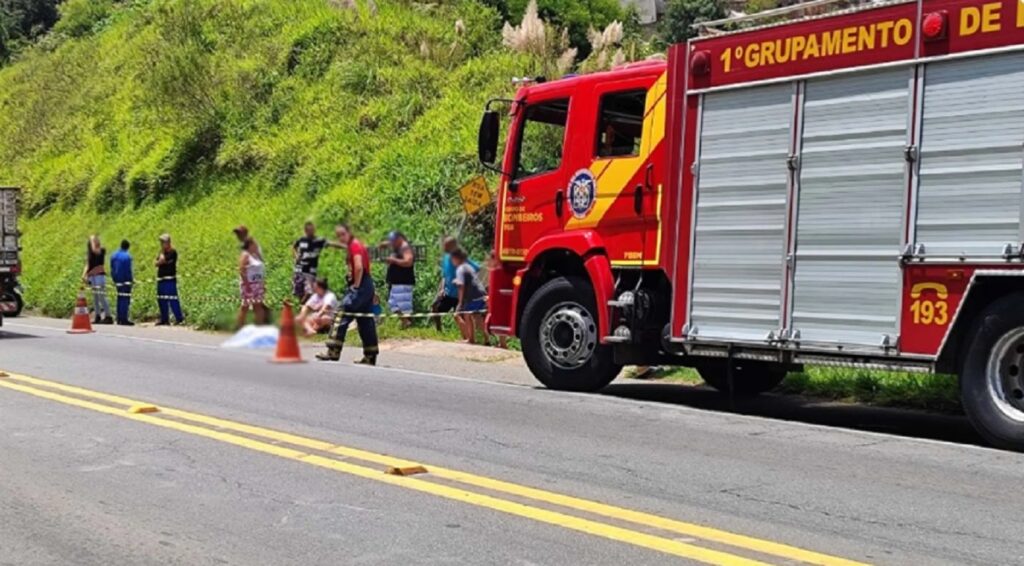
{"points": [[438, 481]]}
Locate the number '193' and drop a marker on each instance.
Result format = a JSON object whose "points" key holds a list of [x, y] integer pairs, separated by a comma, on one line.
{"points": [[930, 312]]}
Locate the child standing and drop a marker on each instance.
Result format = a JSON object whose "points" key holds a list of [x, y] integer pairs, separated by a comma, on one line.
{"points": [[471, 304]]}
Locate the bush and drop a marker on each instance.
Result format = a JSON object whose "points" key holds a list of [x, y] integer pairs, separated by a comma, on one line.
{"points": [[80, 17], [576, 15], [680, 15]]}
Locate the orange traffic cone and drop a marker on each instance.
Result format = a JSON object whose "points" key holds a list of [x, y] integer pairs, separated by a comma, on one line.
{"points": [[287, 343], [80, 321]]}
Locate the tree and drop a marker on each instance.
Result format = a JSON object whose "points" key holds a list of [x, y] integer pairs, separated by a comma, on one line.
{"points": [[24, 20], [680, 15], [501, 6]]}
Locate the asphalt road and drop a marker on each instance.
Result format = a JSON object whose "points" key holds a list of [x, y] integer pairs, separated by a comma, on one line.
{"points": [[639, 476]]}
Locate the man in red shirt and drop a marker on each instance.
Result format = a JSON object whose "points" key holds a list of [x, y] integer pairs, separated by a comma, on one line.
{"points": [[357, 304]]}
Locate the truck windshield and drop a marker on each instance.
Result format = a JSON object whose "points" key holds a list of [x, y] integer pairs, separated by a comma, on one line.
{"points": [[542, 138]]}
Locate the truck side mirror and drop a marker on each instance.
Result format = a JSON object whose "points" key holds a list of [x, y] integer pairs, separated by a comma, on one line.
{"points": [[487, 139]]}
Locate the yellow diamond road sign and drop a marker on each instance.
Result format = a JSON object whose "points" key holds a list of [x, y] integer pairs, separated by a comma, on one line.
{"points": [[475, 195]]}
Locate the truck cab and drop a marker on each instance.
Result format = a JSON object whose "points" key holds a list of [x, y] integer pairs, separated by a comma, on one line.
{"points": [[579, 215]]}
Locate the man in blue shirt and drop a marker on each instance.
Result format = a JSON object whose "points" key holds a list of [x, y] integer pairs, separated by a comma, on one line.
{"points": [[448, 292], [121, 272]]}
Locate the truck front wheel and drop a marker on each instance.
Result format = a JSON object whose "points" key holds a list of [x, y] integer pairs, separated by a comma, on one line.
{"points": [[560, 337], [992, 375]]}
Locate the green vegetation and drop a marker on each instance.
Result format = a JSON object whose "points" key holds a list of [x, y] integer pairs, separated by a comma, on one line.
{"points": [[192, 116], [21, 21], [923, 391], [680, 15], [575, 16], [886, 388], [135, 117]]}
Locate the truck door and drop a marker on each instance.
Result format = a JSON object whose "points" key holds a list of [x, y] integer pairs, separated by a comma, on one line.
{"points": [[745, 138], [969, 204], [535, 202], [853, 178], [622, 168]]}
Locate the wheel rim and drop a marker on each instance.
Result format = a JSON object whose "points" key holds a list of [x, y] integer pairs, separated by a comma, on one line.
{"points": [[568, 335], [1005, 373]]}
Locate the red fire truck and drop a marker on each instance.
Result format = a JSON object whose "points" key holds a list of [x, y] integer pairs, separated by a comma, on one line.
{"points": [[844, 187]]}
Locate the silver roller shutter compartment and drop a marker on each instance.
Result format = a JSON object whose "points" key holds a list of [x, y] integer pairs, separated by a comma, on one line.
{"points": [[969, 200], [850, 208], [741, 213]]}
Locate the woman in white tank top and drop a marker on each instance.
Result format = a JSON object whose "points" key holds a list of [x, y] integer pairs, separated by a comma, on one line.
{"points": [[253, 287]]}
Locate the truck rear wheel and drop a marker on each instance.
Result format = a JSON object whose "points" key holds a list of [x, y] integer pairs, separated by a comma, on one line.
{"points": [[749, 378], [560, 338], [992, 375]]}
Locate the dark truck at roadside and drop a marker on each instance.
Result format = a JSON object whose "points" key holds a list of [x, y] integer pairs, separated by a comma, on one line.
{"points": [[11, 300]]}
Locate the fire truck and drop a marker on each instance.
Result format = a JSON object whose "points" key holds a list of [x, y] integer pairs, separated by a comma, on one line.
{"points": [[827, 183]]}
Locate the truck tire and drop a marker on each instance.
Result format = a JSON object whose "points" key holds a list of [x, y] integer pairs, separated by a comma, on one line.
{"points": [[560, 337], [992, 374], [749, 378], [19, 303]]}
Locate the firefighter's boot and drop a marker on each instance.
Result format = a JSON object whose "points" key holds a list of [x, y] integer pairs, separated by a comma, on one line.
{"points": [[332, 354], [370, 351]]}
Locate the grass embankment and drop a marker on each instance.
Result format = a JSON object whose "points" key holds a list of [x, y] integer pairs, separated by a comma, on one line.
{"points": [[928, 392], [193, 116]]}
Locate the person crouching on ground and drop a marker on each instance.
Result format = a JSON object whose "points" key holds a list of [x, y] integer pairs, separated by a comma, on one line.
{"points": [[121, 273], [470, 315], [401, 277], [95, 275], [358, 302], [167, 282], [317, 314], [253, 287]]}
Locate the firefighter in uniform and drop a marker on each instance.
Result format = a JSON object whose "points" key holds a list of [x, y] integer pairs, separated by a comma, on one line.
{"points": [[357, 304]]}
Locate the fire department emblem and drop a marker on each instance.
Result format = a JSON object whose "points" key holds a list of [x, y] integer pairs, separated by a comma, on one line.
{"points": [[582, 193]]}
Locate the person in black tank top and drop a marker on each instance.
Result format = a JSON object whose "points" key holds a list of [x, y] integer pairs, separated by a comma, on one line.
{"points": [[306, 252], [95, 276], [167, 282], [401, 277]]}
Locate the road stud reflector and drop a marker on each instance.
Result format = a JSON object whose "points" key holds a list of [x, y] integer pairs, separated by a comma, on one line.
{"points": [[143, 409], [405, 470]]}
